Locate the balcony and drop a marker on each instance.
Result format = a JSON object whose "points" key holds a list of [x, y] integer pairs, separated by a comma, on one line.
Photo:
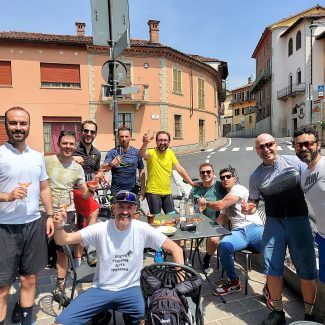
{"points": [[261, 79], [138, 99], [291, 91]]}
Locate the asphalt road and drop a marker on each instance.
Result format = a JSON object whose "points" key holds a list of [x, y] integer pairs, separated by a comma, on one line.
{"points": [[238, 152]]}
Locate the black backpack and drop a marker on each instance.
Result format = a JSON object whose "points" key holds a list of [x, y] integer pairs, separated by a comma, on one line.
{"points": [[168, 304]]}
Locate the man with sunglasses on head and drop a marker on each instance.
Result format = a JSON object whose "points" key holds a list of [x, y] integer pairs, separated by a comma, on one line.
{"points": [[307, 146], [160, 163], [277, 181], [245, 230], [211, 190], [119, 243]]}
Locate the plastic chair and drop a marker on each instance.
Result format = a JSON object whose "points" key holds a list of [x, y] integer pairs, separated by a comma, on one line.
{"points": [[169, 274]]}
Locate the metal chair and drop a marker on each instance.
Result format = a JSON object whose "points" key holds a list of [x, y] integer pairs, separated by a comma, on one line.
{"points": [[170, 274]]}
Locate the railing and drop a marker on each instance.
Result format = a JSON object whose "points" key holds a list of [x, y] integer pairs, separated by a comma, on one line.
{"points": [[261, 78], [140, 96], [291, 90]]}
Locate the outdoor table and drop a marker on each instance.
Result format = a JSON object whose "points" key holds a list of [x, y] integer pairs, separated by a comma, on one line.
{"points": [[204, 230]]}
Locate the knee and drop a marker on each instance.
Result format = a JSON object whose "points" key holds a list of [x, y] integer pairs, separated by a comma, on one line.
{"points": [[28, 281], [226, 248], [4, 292]]}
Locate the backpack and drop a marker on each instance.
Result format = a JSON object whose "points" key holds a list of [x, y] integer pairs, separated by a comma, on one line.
{"points": [[168, 304]]}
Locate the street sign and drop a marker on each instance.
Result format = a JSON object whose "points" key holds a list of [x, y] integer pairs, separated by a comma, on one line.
{"points": [[127, 90], [320, 91], [110, 19]]}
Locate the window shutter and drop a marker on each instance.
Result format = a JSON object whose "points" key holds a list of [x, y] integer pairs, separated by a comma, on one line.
{"points": [[179, 84], [5, 73], [54, 72]]}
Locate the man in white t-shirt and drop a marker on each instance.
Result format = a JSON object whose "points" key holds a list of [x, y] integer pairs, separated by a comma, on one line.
{"points": [[246, 231], [119, 243], [307, 146]]}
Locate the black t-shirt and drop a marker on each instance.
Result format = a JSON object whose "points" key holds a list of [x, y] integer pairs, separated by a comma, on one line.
{"points": [[91, 159]]}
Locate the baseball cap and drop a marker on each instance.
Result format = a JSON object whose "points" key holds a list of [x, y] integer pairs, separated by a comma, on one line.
{"points": [[126, 196]]}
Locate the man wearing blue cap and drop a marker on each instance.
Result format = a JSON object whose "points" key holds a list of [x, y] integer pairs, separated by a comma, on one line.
{"points": [[119, 243]]}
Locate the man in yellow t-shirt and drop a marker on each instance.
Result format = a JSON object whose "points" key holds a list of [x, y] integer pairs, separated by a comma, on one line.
{"points": [[160, 162]]}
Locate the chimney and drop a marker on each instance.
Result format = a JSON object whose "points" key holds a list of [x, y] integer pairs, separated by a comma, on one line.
{"points": [[154, 30], [80, 29]]}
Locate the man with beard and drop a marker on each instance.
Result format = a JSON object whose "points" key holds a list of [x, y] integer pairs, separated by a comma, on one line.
{"points": [[120, 243], [307, 146], [87, 210], [22, 230], [64, 173], [124, 162], [160, 163], [277, 181]]}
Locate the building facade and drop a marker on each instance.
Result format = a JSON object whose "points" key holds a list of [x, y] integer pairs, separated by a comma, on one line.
{"points": [[57, 78]]}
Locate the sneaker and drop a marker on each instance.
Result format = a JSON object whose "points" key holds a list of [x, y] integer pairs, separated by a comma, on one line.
{"points": [[15, 316], [266, 294], [58, 294], [275, 318], [309, 317], [92, 259], [228, 287], [207, 268]]}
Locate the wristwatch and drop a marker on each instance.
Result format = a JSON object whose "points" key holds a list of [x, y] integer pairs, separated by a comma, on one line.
{"points": [[50, 215]]}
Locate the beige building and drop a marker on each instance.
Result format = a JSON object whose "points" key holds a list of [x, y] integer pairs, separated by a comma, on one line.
{"points": [[57, 78]]}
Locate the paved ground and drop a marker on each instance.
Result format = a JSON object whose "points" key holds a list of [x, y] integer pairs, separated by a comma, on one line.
{"points": [[239, 309]]}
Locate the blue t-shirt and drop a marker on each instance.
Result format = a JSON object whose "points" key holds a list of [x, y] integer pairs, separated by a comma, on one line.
{"points": [[124, 176]]}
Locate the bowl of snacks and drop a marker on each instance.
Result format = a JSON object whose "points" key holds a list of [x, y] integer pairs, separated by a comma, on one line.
{"points": [[167, 230]]}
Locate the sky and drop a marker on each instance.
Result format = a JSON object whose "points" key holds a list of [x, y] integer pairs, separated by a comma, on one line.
{"points": [[228, 30]]}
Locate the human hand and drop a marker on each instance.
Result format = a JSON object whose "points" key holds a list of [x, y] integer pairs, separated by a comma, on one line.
{"points": [[49, 227], [60, 219], [19, 193], [247, 207], [79, 160]]}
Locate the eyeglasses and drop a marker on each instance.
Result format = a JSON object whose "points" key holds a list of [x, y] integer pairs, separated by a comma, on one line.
{"points": [[306, 144], [208, 172], [126, 196], [267, 145], [223, 177], [87, 131]]}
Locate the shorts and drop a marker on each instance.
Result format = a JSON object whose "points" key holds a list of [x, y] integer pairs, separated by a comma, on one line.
{"points": [[157, 202], [84, 207], [321, 254], [71, 227], [94, 300], [22, 250], [294, 232]]}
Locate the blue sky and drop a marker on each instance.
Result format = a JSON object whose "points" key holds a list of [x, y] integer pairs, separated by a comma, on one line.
{"points": [[225, 29]]}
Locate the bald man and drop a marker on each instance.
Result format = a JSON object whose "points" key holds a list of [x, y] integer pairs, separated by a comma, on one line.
{"points": [[277, 181]]}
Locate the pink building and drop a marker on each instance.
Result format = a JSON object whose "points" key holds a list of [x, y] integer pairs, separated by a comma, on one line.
{"points": [[57, 78]]}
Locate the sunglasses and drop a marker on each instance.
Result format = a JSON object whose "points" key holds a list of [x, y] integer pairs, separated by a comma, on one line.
{"points": [[306, 144], [208, 172], [267, 145], [223, 177], [87, 131], [126, 196]]}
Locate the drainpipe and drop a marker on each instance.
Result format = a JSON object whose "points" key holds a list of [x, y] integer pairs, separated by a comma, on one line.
{"points": [[191, 93]]}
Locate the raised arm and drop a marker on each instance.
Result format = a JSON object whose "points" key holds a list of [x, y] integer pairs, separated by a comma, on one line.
{"points": [[225, 203], [181, 170]]}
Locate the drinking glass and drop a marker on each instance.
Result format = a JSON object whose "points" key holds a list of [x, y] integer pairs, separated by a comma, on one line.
{"points": [[151, 134], [91, 180], [202, 206], [64, 201], [25, 179]]}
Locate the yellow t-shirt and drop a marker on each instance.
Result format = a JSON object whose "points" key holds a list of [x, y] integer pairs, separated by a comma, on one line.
{"points": [[159, 167]]}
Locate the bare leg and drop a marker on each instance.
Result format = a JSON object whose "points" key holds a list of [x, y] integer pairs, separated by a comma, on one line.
{"points": [[308, 289], [4, 293], [212, 245], [275, 286], [61, 264], [27, 290]]}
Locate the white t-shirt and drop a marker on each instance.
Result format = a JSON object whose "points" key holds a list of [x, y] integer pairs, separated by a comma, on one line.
{"points": [[239, 220], [11, 164], [120, 253], [313, 185]]}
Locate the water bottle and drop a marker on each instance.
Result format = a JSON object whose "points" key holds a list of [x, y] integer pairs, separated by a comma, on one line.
{"points": [[190, 208], [159, 256], [182, 210]]}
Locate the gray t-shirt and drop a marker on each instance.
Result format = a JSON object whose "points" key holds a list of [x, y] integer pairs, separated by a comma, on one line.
{"points": [[313, 185], [279, 185]]}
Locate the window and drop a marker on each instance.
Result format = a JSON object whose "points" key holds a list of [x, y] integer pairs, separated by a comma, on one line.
{"points": [[298, 40], [243, 110], [298, 76], [5, 73], [236, 111], [52, 128], [177, 81], [201, 93], [178, 126], [125, 119], [60, 75], [290, 47], [3, 134], [250, 119]]}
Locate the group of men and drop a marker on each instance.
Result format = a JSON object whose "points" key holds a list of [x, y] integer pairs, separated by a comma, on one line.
{"points": [[283, 182]]}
